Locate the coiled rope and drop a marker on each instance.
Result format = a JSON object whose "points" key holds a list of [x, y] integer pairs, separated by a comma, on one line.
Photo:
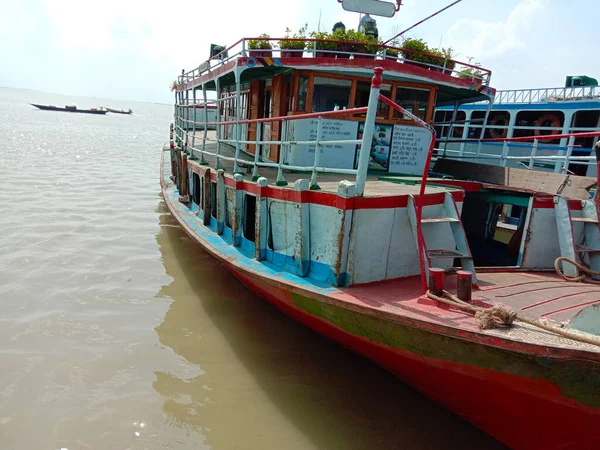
{"points": [[587, 271], [498, 316]]}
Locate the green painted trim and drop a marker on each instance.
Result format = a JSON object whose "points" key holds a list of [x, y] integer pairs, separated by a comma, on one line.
{"points": [[579, 380], [507, 199]]}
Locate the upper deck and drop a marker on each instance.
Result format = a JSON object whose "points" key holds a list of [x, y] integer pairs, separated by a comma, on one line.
{"points": [[239, 64], [548, 95]]}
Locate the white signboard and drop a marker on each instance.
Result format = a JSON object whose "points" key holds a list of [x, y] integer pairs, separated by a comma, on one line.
{"points": [[409, 149], [339, 156]]}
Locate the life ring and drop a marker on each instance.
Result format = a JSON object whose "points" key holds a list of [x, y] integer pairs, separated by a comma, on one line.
{"points": [[251, 62], [547, 120], [500, 120]]}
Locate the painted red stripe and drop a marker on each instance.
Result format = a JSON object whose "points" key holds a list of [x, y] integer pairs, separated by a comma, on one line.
{"points": [[548, 203]]}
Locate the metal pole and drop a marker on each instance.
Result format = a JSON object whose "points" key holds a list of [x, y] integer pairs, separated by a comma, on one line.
{"points": [[281, 181], [202, 160], [568, 155], [533, 152], [313, 178], [451, 129], [218, 164], [238, 131], [193, 125], [255, 175], [365, 147]]}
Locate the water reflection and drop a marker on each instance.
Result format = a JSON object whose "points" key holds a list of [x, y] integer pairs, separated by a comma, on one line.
{"points": [[263, 381]]}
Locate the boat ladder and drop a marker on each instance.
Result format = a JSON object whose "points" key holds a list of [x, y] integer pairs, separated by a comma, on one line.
{"points": [[574, 242], [433, 227]]}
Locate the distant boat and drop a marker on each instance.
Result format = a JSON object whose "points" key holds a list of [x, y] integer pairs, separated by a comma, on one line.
{"points": [[118, 111], [70, 108]]}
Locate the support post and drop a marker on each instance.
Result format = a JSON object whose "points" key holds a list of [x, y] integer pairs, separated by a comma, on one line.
{"points": [[261, 223], [342, 226], [570, 145], [302, 244], [464, 285], [436, 281], [281, 181], [202, 159], [534, 148], [238, 130], [192, 156], [207, 206], [313, 178], [255, 175], [238, 209], [365, 148], [221, 204], [218, 164]]}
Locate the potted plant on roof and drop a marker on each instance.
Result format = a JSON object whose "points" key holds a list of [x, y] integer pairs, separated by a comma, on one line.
{"points": [[449, 64], [391, 52], [256, 45], [472, 74], [412, 51], [295, 48], [435, 59], [343, 45], [324, 46]]}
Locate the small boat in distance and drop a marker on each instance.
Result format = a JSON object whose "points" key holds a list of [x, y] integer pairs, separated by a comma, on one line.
{"points": [[118, 111], [70, 108]]}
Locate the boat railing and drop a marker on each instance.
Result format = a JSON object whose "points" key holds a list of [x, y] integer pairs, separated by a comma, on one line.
{"points": [[316, 48], [547, 95], [561, 160], [196, 145]]}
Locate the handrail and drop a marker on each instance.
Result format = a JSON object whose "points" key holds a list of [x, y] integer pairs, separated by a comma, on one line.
{"points": [[420, 238], [531, 138], [484, 74]]}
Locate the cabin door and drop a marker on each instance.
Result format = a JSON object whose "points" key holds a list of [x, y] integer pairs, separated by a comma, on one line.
{"points": [[266, 126]]}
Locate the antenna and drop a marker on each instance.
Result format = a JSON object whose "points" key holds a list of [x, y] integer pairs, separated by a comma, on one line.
{"points": [[319, 24]]}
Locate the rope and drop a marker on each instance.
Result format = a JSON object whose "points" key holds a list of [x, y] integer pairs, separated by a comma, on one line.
{"points": [[587, 271], [498, 316]]}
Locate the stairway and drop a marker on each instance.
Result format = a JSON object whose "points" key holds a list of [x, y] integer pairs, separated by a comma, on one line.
{"points": [[573, 244], [431, 225]]}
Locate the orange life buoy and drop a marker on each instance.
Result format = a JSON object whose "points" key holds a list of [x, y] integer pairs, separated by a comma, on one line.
{"points": [[500, 120], [547, 120]]}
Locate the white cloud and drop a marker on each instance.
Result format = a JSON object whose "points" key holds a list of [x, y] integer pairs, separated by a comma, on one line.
{"points": [[476, 37]]}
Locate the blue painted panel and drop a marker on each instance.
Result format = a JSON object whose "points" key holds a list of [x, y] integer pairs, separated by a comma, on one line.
{"points": [[559, 106]]}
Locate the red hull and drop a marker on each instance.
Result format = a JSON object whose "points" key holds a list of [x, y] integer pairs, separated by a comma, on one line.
{"points": [[523, 413]]}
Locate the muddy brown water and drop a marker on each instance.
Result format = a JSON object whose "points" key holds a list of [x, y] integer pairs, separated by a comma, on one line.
{"points": [[118, 332]]}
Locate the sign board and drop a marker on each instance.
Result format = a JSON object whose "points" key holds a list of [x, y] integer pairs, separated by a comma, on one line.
{"points": [[339, 156], [409, 149], [375, 7]]}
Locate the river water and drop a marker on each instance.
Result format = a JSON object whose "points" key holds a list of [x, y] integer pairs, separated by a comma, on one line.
{"points": [[117, 332]]}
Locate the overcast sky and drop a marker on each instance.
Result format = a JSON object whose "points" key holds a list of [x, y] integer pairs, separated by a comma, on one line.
{"points": [[132, 49]]}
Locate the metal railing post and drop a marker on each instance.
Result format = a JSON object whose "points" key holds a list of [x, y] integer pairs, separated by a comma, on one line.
{"points": [[313, 177], [244, 47], [281, 181], [504, 153], [534, 148], [367, 139], [238, 131], [568, 155], [187, 118], [218, 164], [192, 157], [202, 160], [314, 49], [257, 152]]}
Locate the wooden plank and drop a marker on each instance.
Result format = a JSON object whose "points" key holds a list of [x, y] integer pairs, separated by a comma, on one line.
{"points": [[517, 178]]}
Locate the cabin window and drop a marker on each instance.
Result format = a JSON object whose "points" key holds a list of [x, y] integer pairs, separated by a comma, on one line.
{"points": [[363, 90], [249, 217], [528, 121], [302, 93], [330, 94], [587, 120], [196, 189], [213, 199], [443, 119], [496, 127], [413, 100]]}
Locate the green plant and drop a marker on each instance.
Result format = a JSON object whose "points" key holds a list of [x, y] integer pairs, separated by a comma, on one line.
{"points": [[413, 49], [322, 45], [260, 43], [434, 57], [294, 45], [470, 72]]}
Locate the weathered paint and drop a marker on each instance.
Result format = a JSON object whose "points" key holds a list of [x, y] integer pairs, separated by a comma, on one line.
{"points": [[588, 320]]}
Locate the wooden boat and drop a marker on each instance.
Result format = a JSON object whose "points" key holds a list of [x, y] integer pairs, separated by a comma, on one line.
{"points": [[118, 111], [399, 268], [69, 108]]}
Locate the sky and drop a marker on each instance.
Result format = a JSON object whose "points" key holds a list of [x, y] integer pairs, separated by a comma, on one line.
{"points": [[133, 49]]}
